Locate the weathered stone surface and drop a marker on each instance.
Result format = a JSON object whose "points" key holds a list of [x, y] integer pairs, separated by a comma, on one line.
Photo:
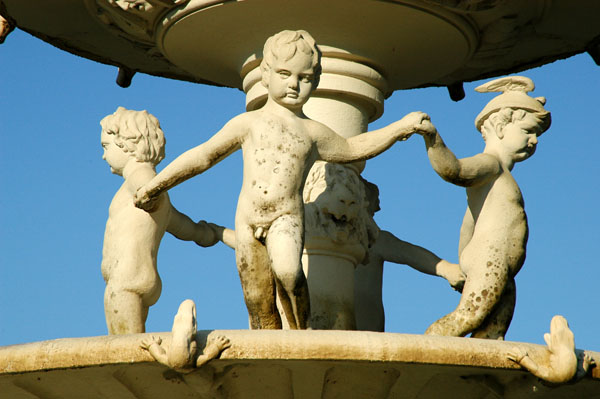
{"points": [[283, 364]]}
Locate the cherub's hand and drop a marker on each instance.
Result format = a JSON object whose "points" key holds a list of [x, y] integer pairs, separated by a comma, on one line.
{"points": [[415, 122], [452, 273], [517, 355], [207, 234], [142, 200], [148, 342]]}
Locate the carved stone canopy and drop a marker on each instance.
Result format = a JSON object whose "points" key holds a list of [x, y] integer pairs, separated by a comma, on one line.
{"points": [[413, 43]]}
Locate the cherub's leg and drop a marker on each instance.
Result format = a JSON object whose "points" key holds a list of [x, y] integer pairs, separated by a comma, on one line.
{"points": [[124, 311], [284, 245], [486, 280], [257, 280], [497, 323]]}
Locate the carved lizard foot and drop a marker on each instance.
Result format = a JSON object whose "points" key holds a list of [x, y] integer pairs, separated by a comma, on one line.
{"points": [[213, 349], [585, 364], [558, 364], [153, 345], [517, 355], [148, 342]]}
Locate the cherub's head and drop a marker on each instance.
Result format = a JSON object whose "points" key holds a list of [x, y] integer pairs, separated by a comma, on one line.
{"points": [[128, 135], [291, 67], [513, 120]]}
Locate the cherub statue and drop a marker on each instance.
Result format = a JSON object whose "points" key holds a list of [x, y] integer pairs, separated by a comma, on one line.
{"points": [[133, 145], [368, 277], [279, 145], [559, 363], [182, 354], [493, 236]]}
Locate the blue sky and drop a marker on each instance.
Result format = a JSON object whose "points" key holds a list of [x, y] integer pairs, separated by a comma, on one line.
{"points": [[56, 190]]}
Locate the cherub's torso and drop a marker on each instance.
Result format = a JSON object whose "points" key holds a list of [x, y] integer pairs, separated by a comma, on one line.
{"points": [[132, 236], [499, 220], [278, 153]]}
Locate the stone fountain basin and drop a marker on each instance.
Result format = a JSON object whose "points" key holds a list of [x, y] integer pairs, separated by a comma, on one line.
{"points": [[283, 364]]}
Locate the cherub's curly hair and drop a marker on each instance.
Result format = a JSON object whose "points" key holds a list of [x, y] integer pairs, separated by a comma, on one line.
{"points": [[285, 44], [136, 132], [499, 119]]}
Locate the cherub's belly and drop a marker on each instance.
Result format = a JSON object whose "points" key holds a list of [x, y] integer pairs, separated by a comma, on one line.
{"points": [[262, 203]]}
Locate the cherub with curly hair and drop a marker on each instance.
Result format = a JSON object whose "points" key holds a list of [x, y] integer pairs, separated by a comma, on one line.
{"points": [[279, 144], [134, 144]]}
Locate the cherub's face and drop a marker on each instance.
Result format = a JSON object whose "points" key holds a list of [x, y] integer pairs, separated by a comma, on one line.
{"points": [[520, 137], [113, 155], [291, 82]]}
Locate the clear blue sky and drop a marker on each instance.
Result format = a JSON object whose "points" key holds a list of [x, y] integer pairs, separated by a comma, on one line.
{"points": [[56, 190]]}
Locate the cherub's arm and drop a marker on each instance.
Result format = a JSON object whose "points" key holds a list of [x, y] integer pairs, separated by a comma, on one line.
{"points": [[464, 172], [393, 249], [334, 148], [227, 236], [194, 162], [182, 227]]}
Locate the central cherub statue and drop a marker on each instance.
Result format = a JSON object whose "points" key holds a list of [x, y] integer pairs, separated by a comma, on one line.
{"points": [[279, 145]]}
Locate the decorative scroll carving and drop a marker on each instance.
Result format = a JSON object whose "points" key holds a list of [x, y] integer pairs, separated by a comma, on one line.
{"points": [[136, 19]]}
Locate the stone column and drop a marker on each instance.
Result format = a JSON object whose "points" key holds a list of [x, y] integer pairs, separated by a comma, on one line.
{"points": [[350, 95]]}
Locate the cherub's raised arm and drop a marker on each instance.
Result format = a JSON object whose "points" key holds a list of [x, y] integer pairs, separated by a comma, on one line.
{"points": [[193, 162], [465, 172], [334, 148]]}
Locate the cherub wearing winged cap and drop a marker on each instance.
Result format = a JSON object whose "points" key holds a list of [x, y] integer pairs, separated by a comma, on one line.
{"points": [[493, 236]]}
